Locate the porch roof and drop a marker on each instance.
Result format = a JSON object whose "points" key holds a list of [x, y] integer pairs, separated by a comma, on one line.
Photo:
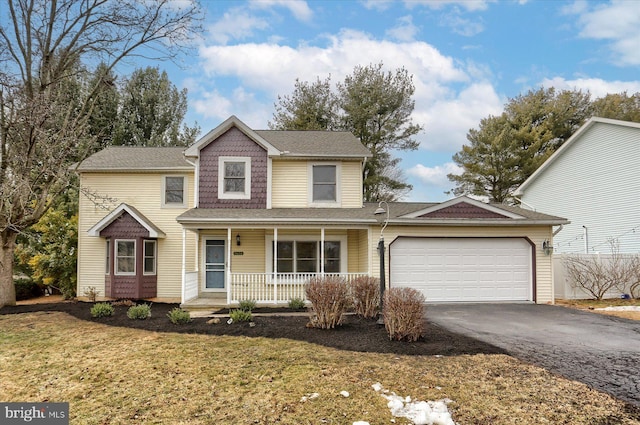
{"points": [[399, 214]]}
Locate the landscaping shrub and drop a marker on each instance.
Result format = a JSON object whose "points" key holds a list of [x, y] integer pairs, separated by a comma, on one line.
{"points": [[296, 303], [404, 311], [102, 310], [139, 312], [26, 289], [178, 316], [91, 293], [247, 305], [240, 315], [330, 299], [366, 296]]}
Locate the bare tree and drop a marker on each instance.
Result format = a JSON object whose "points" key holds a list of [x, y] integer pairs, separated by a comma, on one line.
{"points": [[598, 275], [44, 109]]}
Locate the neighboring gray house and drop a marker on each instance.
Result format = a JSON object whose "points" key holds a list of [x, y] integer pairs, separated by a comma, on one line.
{"points": [[593, 179]]}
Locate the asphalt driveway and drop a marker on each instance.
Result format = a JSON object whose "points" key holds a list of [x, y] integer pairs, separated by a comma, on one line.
{"points": [[600, 351]]}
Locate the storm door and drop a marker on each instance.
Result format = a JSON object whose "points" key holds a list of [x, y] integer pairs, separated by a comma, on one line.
{"points": [[214, 265]]}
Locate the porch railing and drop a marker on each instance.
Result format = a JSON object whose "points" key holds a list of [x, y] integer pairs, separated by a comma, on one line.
{"points": [[269, 289]]}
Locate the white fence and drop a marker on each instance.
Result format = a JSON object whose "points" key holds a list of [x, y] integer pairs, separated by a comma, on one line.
{"points": [[564, 289]]}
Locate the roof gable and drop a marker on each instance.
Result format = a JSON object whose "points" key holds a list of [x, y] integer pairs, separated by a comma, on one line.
{"points": [[154, 231], [233, 121], [290, 143], [568, 143], [463, 207]]}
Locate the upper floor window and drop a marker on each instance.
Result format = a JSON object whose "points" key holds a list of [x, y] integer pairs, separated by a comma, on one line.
{"points": [[174, 191], [234, 177], [324, 184]]}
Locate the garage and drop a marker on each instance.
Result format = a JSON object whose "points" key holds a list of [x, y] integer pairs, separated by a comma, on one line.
{"points": [[463, 269]]}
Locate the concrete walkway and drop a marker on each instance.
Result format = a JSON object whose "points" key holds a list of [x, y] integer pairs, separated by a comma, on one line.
{"points": [[600, 351]]}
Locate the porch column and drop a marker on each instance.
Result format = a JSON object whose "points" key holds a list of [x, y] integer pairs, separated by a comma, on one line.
{"points": [[184, 264], [275, 265], [322, 251], [228, 266]]}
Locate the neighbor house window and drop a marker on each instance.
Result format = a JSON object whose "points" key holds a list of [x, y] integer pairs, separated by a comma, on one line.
{"points": [[149, 257], [324, 184], [304, 256], [174, 191], [125, 257], [234, 177]]}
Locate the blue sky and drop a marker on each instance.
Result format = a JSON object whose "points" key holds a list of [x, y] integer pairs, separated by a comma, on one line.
{"points": [[466, 57]]}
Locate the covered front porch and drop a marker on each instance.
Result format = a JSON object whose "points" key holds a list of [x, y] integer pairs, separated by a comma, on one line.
{"points": [[270, 264]]}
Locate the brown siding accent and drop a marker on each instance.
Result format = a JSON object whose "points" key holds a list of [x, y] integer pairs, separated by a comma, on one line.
{"points": [[463, 210], [124, 227], [129, 287], [232, 143]]}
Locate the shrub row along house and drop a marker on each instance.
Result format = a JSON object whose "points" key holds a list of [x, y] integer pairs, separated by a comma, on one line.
{"points": [[252, 214]]}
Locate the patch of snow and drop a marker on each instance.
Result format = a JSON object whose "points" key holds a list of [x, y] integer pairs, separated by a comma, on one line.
{"points": [[621, 308], [309, 397], [419, 412], [361, 423]]}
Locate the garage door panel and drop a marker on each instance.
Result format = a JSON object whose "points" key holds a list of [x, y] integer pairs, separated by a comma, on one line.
{"points": [[464, 269]]}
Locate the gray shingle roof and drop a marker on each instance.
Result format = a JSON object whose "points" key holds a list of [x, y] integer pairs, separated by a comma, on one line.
{"points": [[354, 216], [135, 158], [315, 143]]}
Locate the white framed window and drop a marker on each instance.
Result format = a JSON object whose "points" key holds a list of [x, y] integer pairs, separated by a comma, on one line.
{"points": [[125, 257], [301, 254], [324, 184], [174, 191], [149, 257], [234, 177]]}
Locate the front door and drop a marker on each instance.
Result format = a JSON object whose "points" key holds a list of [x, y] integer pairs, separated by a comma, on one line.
{"points": [[214, 265]]}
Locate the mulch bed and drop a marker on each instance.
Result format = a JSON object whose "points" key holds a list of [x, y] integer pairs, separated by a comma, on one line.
{"points": [[356, 334]]}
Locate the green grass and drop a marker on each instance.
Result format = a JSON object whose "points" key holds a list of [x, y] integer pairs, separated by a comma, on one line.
{"points": [[126, 376]]}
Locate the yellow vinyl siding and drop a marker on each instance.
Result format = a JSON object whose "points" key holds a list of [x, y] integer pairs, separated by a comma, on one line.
{"points": [[351, 184], [290, 184], [144, 192], [537, 234]]}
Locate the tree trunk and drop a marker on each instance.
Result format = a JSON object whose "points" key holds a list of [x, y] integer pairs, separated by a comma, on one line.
{"points": [[7, 289]]}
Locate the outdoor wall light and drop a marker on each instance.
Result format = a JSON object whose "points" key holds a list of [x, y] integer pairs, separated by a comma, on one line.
{"points": [[547, 248], [238, 239]]}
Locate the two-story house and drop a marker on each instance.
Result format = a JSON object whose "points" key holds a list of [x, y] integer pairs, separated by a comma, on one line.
{"points": [[254, 214]]}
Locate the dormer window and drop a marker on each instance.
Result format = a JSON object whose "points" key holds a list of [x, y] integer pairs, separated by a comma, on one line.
{"points": [[234, 177], [324, 184]]}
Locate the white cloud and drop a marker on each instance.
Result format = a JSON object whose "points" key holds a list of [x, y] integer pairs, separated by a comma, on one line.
{"points": [[433, 179], [596, 86], [448, 120], [462, 26], [451, 97], [404, 30], [470, 5], [236, 24], [299, 8], [616, 22]]}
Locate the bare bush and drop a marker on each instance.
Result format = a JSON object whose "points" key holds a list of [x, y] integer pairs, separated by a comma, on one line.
{"points": [[404, 311], [597, 275], [366, 296], [329, 297]]}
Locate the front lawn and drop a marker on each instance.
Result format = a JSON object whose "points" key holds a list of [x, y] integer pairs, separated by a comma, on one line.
{"points": [[118, 375], [596, 306]]}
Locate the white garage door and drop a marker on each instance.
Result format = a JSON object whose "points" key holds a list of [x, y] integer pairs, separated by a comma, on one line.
{"points": [[463, 269]]}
